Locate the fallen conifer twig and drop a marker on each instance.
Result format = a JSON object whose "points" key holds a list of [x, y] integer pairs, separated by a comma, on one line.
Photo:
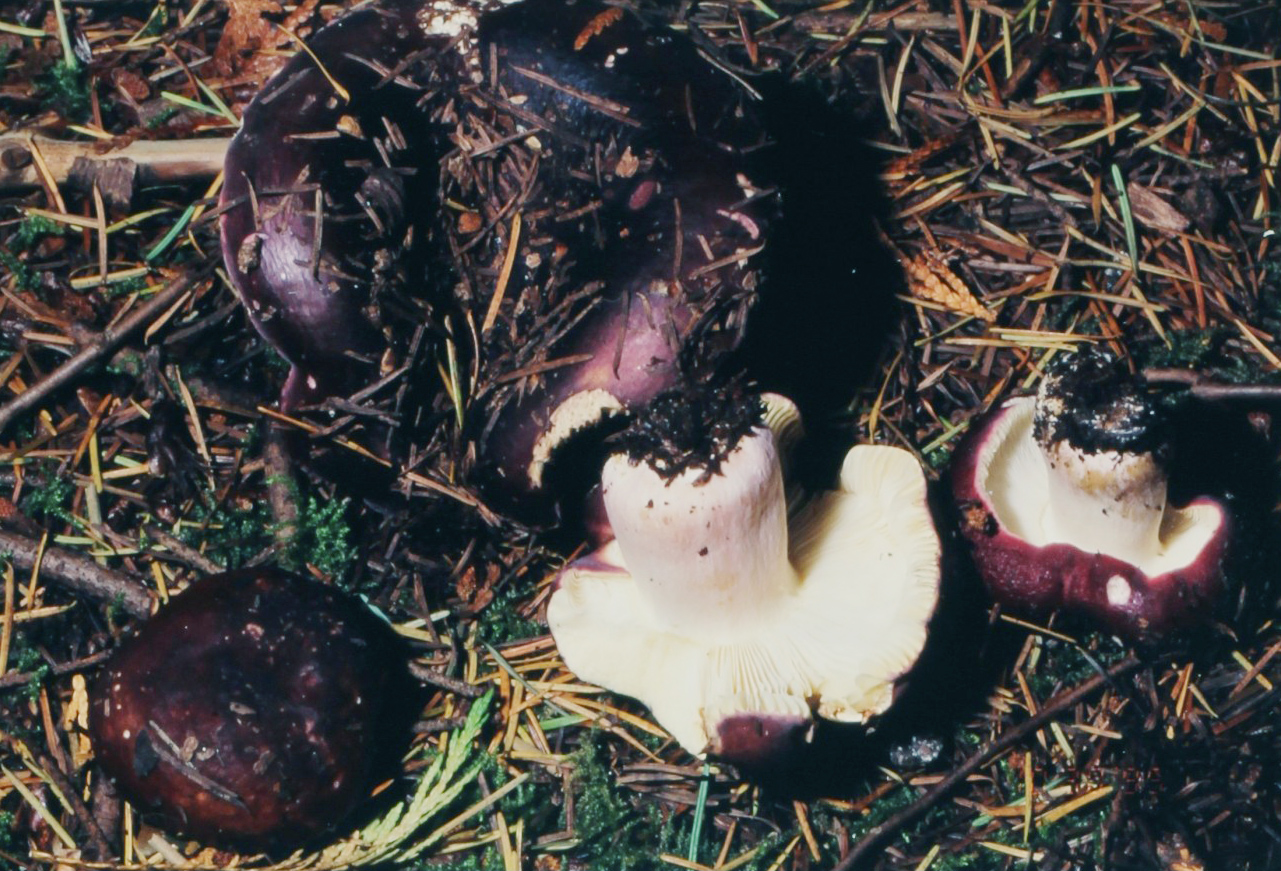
{"points": [[1207, 390], [99, 847], [181, 551], [98, 349], [878, 834], [11, 679], [79, 574], [436, 678], [140, 162]]}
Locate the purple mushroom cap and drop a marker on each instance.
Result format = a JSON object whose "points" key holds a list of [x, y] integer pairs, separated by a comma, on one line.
{"points": [[320, 190]]}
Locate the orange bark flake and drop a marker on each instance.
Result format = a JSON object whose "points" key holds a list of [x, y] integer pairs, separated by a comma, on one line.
{"points": [[595, 26], [930, 278]]}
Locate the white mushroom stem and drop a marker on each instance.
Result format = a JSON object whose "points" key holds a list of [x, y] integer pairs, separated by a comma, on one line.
{"points": [[708, 552], [1113, 500]]}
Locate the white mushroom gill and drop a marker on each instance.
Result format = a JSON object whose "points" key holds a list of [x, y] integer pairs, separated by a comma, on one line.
{"points": [[711, 604], [1102, 502]]}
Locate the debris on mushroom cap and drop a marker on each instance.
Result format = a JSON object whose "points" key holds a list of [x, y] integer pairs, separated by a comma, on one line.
{"points": [[321, 189], [736, 623], [613, 174], [1063, 498], [256, 710], [659, 205]]}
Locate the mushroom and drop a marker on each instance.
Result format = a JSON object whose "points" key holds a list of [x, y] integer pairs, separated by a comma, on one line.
{"points": [[319, 196], [256, 710], [733, 621], [578, 195], [1063, 499]]}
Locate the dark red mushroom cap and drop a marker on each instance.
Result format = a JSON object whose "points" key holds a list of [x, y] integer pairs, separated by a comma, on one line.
{"points": [[1062, 497], [256, 710]]}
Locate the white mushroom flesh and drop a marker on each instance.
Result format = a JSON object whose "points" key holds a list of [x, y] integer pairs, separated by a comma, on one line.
{"points": [[1102, 502], [578, 412]]}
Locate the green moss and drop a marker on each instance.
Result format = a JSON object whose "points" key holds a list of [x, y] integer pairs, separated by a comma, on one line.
{"points": [[229, 536], [66, 87], [501, 620], [124, 287], [613, 832], [489, 859], [322, 538], [26, 277], [1064, 665], [127, 362], [1202, 350], [232, 536], [33, 228], [162, 117], [51, 500], [28, 232], [938, 458], [23, 658], [1187, 349], [10, 845], [157, 23]]}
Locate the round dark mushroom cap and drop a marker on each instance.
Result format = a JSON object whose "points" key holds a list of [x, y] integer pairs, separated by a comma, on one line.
{"points": [[256, 710], [653, 188], [319, 197]]}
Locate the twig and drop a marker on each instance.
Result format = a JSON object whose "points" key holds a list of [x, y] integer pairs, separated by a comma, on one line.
{"points": [[12, 679], [182, 552], [101, 347], [97, 839], [462, 688], [107, 807], [152, 162], [877, 835], [1201, 388], [282, 490], [78, 574], [439, 724]]}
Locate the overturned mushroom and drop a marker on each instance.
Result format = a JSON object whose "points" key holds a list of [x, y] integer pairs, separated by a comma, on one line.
{"points": [[257, 710], [567, 196], [734, 623], [1063, 498]]}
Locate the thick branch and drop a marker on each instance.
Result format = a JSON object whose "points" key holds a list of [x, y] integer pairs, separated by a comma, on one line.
{"points": [[148, 162], [78, 574], [1200, 387]]}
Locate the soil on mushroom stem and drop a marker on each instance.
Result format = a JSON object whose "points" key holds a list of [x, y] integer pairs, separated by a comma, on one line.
{"points": [[1019, 160]]}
